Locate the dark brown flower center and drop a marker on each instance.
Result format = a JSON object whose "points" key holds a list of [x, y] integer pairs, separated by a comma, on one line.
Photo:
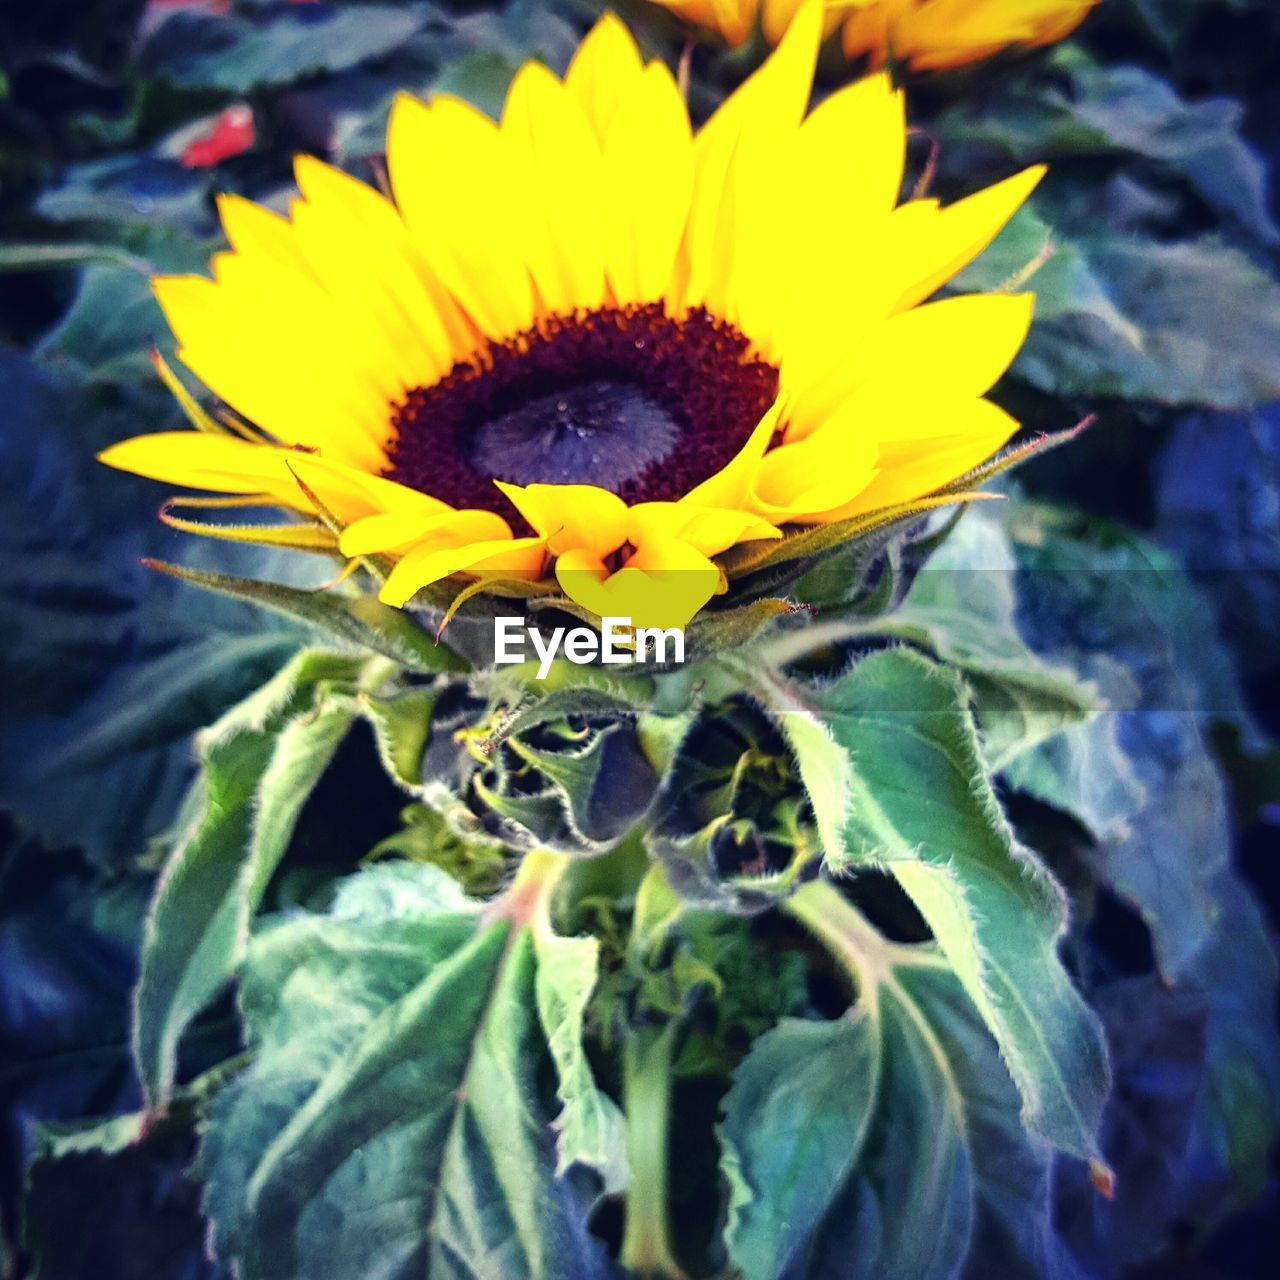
{"points": [[628, 399]]}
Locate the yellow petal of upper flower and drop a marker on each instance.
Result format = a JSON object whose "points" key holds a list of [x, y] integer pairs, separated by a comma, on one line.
{"points": [[922, 34], [603, 71], [552, 149], [648, 182], [914, 465], [733, 19], [936, 243], [938, 35], [961, 345], [592, 282], [454, 188], [805, 480], [776, 16], [735, 153]]}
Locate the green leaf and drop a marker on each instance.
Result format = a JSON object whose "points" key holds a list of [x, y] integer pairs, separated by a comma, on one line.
{"points": [[1240, 1107], [163, 699], [590, 1124], [109, 776], [147, 204], [275, 47], [1140, 778], [1079, 108], [712, 632], [795, 1121], [1084, 771], [886, 1142], [892, 763], [395, 1085], [259, 764], [961, 608], [111, 326], [963, 605], [567, 772], [1188, 323]]}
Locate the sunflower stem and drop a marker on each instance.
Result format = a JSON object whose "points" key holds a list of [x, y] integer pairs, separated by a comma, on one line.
{"points": [[527, 900], [646, 1243]]}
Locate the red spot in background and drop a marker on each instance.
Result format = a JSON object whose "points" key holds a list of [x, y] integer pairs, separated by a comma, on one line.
{"points": [[230, 134], [218, 7]]}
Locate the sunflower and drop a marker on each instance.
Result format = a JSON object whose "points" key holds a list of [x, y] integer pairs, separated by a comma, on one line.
{"points": [[927, 35], [588, 350]]}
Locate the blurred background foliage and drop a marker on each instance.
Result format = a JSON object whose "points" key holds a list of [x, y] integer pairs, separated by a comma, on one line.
{"points": [[1157, 248]]}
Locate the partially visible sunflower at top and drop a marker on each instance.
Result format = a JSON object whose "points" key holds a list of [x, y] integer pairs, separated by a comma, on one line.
{"points": [[586, 348], [926, 35]]}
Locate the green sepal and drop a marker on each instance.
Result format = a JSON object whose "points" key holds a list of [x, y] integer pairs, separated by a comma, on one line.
{"points": [[359, 620]]}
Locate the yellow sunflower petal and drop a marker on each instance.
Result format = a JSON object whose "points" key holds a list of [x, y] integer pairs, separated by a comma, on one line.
{"points": [[663, 585], [969, 433], [355, 241], [270, 362], [308, 325], [843, 279], [391, 530], [731, 484], [960, 346], [424, 565], [198, 460], [748, 289], [709, 530], [855, 141], [602, 72], [648, 177], [557, 157], [571, 516], [802, 481], [258, 232], [770, 102], [454, 187], [935, 246], [350, 493], [222, 346]]}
